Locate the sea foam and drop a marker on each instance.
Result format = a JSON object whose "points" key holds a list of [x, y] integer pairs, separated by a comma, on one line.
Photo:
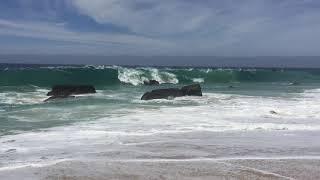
{"points": [[138, 76]]}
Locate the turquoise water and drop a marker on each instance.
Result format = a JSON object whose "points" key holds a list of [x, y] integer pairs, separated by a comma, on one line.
{"points": [[43, 76], [88, 125]]}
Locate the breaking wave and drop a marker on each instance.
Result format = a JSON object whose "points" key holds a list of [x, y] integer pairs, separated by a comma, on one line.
{"points": [[115, 75], [138, 76]]}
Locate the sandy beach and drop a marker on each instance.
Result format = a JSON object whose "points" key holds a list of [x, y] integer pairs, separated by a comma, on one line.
{"points": [[268, 169], [191, 156]]}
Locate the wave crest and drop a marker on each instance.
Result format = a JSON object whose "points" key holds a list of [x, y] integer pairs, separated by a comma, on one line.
{"points": [[138, 76], [114, 75]]}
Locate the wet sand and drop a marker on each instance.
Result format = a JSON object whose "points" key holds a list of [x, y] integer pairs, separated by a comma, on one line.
{"points": [[243, 169]]}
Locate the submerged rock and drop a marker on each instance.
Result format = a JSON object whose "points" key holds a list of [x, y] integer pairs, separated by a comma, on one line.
{"points": [[151, 82], [191, 90], [66, 91]]}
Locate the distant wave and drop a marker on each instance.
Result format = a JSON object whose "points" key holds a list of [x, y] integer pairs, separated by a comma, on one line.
{"points": [[116, 75]]}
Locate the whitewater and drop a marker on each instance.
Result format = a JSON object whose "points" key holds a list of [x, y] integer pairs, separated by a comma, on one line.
{"points": [[243, 114]]}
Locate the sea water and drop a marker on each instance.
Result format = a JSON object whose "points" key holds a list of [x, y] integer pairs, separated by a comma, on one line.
{"points": [[244, 113]]}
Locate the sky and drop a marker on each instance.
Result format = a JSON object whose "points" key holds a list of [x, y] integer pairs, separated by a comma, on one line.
{"points": [[161, 27]]}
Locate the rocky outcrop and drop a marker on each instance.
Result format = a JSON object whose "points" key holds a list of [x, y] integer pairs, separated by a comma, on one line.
{"points": [[151, 82], [191, 90], [66, 91], [162, 94]]}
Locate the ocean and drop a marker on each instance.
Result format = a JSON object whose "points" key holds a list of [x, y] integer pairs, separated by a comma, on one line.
{"points": [[243, 113]]}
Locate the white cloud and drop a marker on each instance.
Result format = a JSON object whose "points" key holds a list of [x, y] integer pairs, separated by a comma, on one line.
{"points": [[58, 32], [188, 27], [151, 17]]}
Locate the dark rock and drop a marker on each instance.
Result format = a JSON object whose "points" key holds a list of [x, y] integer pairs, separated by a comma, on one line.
{"points": [[67, 90], [151, 82], [162, 94], [192, 90]]}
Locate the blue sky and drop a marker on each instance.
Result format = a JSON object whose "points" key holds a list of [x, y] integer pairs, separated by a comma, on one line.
{"points": [[161, 27]]}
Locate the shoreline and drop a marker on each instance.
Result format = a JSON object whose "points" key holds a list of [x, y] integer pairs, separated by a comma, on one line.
{"points": [[267, 168], [158, 160]]}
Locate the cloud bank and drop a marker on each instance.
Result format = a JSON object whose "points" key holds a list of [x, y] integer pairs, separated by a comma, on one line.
{"points": [[167, 27]]}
